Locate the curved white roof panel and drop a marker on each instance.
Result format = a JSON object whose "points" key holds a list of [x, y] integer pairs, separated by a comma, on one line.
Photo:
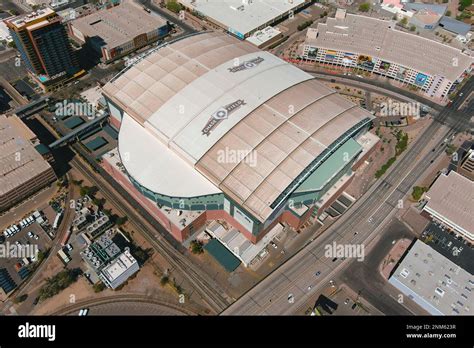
{"points": [[152, 165]]}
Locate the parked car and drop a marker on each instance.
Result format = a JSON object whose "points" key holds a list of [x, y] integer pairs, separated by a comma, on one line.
{"points": [[30, 234], [69, 247], [83, 312]]}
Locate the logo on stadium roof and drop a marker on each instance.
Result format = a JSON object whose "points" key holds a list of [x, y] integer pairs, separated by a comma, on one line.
{"points": [[248, 64], [221, 114]]}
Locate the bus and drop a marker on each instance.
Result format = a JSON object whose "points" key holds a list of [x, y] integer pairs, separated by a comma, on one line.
{"points": [[64, 256], [57, 220]]}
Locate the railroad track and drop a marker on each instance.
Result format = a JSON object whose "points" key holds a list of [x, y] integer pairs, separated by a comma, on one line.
{"points": [[119, 299], [207, 292]]}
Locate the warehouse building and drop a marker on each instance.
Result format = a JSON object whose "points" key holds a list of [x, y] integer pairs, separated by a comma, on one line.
{"points": [[244, 17], [374, 45], [435, 283], [117, 31], [242, 136], [122, 268], [451, 202], [23, 171]]}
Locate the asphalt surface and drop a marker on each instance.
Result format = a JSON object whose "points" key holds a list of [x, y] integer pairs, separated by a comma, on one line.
{"points": [[365, 278], [184, 26], [360, 224], [374, 86]]}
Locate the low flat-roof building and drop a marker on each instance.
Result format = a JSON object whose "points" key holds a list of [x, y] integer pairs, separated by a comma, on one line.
{"points": [[466, 167], [265, 37], [117, 31], [435, 283], [116, 273], [23, 171], [451, 202], [243, 17], [374, 45]]}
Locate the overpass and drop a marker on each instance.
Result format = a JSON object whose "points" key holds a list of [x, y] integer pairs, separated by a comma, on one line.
{"points": [[78, 131], [31, 108]]}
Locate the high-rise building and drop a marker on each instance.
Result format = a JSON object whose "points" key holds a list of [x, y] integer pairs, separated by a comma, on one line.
{"points": [[42, 41]]}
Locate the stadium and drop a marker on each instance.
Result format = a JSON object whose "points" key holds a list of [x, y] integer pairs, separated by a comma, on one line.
{"points": [[213, 128]]}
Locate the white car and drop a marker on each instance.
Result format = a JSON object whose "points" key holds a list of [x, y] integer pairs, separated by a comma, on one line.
{"points": [[83, 312], [69, 247], [30, 234], [33, 258], [36, 237], [274, 245]]}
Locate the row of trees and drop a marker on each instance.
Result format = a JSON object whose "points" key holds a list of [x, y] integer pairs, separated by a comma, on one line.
{"points": [[59, 282], [402, 144]]}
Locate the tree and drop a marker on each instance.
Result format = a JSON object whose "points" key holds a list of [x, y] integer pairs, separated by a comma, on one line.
{"points": [[58, 283], [404, 21], [412, 28], [463, 4], [304, 25], [20, 299], [164, 280], [196, 247], [99, 202], [450, 149], [88, 190], [364, 7], [448, 13], [418, 192], [121, 220], [173, 6], [98, 287]]}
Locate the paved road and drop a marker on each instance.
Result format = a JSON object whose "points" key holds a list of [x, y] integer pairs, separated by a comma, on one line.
{"points": [[365, 278], [360, 224], [184, 26]]}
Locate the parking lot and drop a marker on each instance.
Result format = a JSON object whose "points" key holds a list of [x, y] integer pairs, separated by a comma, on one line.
{"points": [[22, 246]]}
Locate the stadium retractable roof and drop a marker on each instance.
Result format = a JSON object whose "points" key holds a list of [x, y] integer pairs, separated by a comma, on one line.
{"points": [[194, 100]]}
